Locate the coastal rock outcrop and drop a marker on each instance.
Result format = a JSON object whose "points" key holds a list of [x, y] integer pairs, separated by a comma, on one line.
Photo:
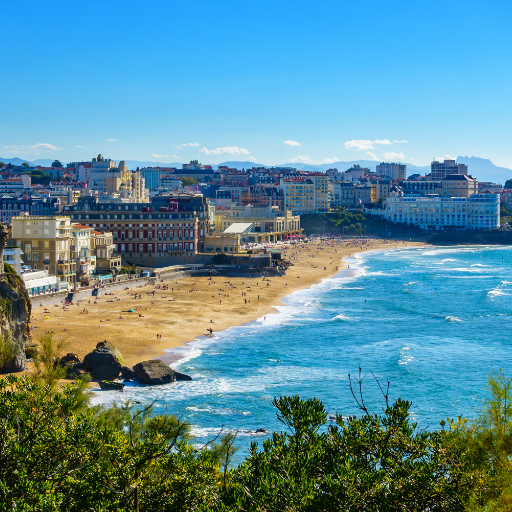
{"points": [[72, 364], [156, 372], [15, 311], [104, 362]]}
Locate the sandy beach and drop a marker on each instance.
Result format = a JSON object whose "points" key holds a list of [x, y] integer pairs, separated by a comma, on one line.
{"points": [[167, 315]]}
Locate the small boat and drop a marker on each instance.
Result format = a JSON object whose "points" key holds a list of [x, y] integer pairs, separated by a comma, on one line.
{"points": [[109, 385]]}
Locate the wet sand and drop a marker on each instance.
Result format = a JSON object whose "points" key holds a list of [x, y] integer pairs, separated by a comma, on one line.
{"points": [[167, 318]]}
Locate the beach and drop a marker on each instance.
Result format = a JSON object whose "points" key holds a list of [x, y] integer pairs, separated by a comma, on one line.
{"points": [[169, 314]]}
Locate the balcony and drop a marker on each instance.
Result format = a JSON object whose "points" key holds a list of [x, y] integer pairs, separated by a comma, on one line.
{"points": [[46, 262]]}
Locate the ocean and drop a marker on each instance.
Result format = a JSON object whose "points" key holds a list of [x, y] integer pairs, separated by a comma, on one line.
{"points": [[433, 321]]}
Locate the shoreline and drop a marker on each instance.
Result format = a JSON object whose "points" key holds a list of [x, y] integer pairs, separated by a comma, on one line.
{"points": [[172, 355], [193, 308]]}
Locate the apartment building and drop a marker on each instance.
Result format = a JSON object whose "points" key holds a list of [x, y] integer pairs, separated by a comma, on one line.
{"points": [[421, 188], [392, 170], [365, 194], [382, 188], [259, 195], [82, 251], [11, 206], [459, 185], [107, 259], [152, 177], [321, 182], [169, 230], [46, 243], [298, 195], [342, 194], [439, 170], [308, 194], [476, 212]]}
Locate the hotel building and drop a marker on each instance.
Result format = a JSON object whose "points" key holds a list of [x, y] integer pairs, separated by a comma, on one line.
{"points": [[169, 230], [476, 212]]}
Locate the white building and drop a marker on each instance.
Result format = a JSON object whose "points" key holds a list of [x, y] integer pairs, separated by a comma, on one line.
{"points": [[476, 212], [39, 281], [12, 256], [392, 170]]}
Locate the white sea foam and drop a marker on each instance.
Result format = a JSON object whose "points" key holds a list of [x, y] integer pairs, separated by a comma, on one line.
{"points": [[341, 317], [496, 292], [453, 319], [405, 358], [213, 410]]}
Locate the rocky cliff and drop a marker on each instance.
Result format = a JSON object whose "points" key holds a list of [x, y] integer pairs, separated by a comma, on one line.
{"points": [[15, 310]]}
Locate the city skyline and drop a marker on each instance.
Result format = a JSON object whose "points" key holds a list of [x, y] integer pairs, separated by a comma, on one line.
{"points": [[266, 83]]}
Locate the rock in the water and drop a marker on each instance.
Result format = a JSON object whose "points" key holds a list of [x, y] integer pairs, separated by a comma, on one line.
{"points": [[127, 373], [182, 376], [104, 362], [156, 372]]}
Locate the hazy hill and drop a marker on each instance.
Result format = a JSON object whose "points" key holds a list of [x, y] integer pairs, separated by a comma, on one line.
{"points": [[15, 161], [481, 168]]}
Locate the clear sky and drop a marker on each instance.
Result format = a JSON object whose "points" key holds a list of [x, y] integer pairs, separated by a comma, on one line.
{"points": [[273, 81]]}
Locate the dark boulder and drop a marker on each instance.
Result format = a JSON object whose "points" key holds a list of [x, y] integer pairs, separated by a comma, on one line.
{"points": [[127, 373], [156, 372], [104, 362], [71, 360], [72, 364], [109, 385]]}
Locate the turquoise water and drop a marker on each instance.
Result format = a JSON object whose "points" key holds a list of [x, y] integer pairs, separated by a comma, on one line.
{"points": [[432, 321]]}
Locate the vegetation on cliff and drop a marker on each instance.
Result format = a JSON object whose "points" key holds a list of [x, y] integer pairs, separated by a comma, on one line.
{"points": [[349, 223]]}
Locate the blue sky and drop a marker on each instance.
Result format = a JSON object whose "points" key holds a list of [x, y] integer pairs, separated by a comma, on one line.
{"points": [[235, 80]]}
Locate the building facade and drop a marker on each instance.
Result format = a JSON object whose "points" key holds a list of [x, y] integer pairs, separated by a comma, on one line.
{"points": [[476, 212], [459, 185], [439, 170], [392, 171], [169, 230], [46, 244]]}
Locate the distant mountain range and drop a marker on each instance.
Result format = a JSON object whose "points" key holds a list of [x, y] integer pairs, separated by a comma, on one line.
{"points": [[481, 168]]}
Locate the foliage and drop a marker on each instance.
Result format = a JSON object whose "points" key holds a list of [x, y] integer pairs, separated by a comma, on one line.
{"points": [[57, 163], [40, 177], [53, 458], [486, 445], [350, 223], [186, 181], [368, 463], [8, 350], [25, 164], [56, 454], [220, 259]]}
